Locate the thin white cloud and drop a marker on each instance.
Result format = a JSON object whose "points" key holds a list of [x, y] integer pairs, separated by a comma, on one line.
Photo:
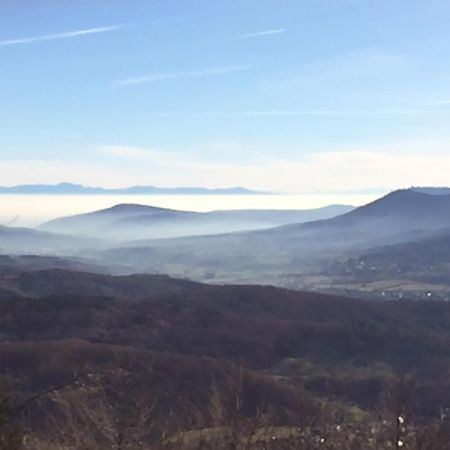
{"points": [[329, 112], [130, 153], [263, 33], [301, 112], [184, 74], [57, 36]]}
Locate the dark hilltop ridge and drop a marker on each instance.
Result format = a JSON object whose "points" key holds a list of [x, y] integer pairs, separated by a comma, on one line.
{"points": [[400, 210], [432, 190]]}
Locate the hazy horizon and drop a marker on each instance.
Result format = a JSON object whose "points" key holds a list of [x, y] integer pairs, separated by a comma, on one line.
{"points": [[32, 210]]}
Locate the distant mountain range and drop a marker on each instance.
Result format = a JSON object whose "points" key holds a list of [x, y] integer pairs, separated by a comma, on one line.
{"points": [[128, 222], [399, 217], [76, 189], [392, 219], [406, 230]]}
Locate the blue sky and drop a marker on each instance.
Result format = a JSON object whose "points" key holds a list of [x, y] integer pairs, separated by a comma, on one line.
{"points": [[293, 95]]}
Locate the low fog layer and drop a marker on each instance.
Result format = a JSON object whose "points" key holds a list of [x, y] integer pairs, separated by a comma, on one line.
{"points": [[400, 217], [128, 222], [351, 248]]}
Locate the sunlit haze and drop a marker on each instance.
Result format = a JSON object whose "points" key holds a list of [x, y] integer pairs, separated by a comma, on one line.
{"points": [[31, 210]]}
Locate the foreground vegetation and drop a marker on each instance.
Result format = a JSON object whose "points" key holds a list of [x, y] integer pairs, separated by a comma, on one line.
{"points": [[97, 362], [103, 412]]}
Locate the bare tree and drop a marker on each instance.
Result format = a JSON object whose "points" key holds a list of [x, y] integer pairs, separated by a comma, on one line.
{"points": [[397, 404], [10, 434], [106, 410]]}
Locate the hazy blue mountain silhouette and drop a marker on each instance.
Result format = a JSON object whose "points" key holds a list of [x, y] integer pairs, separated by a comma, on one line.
{"points": [[26, 241], [399, 217], [77, 189], [131, 222]]}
